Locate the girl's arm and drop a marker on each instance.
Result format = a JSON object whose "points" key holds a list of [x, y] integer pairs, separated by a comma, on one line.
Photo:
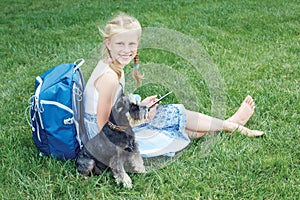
{"points": [[107, 86]]}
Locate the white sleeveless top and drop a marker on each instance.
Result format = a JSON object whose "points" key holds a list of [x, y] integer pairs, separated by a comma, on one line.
{"points": [[91, 94]]}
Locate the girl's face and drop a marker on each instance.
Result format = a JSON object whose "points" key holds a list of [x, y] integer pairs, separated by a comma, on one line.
{"points": [[123, 46]]}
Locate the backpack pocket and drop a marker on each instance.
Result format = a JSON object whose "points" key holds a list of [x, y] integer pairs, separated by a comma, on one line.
{"points": [[58, 132]]}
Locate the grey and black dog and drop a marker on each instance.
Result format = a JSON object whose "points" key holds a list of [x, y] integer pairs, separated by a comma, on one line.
{"points": [[115, 145]]}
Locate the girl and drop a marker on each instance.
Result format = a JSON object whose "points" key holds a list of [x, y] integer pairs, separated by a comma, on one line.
{"points": [[169, 128]]}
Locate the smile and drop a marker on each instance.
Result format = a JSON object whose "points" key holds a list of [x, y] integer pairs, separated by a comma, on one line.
{"points": [[125, 57]]}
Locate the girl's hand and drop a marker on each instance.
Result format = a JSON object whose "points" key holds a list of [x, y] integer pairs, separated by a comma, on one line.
{"points": [[148, 101]]}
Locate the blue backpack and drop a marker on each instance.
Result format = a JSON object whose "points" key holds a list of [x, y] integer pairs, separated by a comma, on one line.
{"points": [[56, 111]]}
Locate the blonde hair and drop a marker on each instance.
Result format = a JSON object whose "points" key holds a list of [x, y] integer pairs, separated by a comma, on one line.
{"points": [[118, 24]]}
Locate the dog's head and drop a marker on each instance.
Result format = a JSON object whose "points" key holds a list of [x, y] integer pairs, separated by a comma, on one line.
{"points": [[131, 108]]}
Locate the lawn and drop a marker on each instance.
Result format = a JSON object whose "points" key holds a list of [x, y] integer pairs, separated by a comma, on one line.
{"points": [[211, 53]]}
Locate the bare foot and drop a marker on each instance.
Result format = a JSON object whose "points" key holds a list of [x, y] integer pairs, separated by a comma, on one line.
{"points": [[244, 112], [251, 133]]}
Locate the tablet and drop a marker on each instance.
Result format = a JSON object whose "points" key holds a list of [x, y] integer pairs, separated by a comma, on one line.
{"points": [[159, 100]]}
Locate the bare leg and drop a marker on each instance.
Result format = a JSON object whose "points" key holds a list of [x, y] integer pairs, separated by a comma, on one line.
{"points": [[199, 124], [202, 123]]}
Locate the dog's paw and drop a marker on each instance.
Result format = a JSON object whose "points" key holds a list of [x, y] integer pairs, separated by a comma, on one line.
{"points": [[125, 180], [85, 166], [127, 183]]}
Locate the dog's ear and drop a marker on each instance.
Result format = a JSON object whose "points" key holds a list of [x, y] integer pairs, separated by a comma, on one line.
{"points": [[134, 98]]}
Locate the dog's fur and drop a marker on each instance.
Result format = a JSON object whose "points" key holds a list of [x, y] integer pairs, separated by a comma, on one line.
{"points": [[115, 144]]}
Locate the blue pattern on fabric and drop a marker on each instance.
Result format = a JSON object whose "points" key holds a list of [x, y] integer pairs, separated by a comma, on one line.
{"points": [[171, 120], [165, 134]]}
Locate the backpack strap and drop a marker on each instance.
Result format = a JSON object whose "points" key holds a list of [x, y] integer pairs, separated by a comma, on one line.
{"points": [[82, 130], [80, 104], [78, 63]]}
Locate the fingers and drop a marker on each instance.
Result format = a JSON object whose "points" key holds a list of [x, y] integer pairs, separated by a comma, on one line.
{"points": [[153, 98], [149, 100]]}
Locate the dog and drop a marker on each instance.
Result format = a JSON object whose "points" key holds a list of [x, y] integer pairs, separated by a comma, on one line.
{"points": [[115, 145]]}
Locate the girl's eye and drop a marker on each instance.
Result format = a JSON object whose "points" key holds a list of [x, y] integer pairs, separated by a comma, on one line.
{"points": [[132, 45], [120, 43]]}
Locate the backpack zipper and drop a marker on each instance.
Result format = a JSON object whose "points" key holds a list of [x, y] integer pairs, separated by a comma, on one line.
{"points": [[60, 105], [67, 121]]}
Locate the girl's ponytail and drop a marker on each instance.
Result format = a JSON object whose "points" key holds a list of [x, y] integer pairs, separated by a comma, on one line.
{"points": [[136, 74]]}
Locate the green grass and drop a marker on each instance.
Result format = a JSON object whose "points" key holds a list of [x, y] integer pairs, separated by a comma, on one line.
{"points": [[255, 45]]}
